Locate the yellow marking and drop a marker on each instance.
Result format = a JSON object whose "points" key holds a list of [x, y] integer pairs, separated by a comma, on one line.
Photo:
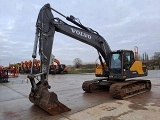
{"points": [[137, 66]]}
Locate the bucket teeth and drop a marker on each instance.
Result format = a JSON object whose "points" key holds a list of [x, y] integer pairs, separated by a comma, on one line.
{"points": [[48, 101]]}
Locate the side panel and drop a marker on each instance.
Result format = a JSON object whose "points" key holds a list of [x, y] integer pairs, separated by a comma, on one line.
{"points": [[137, 66]]}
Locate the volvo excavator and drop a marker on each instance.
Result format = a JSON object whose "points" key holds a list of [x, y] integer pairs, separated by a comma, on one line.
{"points": [[119, 65]]}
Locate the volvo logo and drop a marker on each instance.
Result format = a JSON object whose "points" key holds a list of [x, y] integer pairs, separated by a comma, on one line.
{"points": [[80, 33]]}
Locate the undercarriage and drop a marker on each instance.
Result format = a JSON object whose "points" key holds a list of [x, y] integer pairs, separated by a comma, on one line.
{"points": [[118, 90]]}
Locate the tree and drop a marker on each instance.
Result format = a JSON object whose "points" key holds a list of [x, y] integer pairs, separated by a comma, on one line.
{"points": [[156, 58], [77, 62], [145, 56]]}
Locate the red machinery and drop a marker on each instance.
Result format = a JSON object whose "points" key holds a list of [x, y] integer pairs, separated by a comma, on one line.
{"points": [[25, 66], [59, 68], [3, 74]]}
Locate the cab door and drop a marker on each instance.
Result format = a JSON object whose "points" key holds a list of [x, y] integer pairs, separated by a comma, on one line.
{"points": [[128, 59], [127, 62]]}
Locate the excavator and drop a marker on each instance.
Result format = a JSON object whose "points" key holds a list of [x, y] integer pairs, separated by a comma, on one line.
{"points": [[120, 64], [59, 68]]}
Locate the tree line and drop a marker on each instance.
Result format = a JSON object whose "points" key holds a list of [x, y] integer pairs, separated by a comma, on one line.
{"points": [[154, 61]]}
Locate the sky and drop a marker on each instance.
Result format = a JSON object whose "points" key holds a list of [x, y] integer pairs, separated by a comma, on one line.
{"points": [[123, 23]]}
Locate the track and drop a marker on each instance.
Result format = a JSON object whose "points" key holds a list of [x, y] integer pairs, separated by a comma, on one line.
{"points": [[118, 90], [96, 85], [129, 88]]}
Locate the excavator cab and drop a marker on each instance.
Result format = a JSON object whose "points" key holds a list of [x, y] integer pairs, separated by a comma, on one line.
{"points": [[123, 65]]}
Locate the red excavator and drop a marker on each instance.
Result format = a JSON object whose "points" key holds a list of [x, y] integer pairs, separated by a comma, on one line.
{"points": [[25, 67], [120, 65], [58, 68]]}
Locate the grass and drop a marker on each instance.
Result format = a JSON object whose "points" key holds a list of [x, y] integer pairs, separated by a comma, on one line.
{"points": [[79, 71]]}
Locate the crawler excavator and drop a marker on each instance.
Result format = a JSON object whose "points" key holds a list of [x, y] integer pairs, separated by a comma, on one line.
{"points": [[58, 68], [115, 75]]}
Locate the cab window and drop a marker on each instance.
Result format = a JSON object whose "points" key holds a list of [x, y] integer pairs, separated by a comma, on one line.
{"points": [[128, 59], [116, 60]]}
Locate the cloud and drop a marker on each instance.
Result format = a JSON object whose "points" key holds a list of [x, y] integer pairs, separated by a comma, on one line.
{"points": [[123, 24]]}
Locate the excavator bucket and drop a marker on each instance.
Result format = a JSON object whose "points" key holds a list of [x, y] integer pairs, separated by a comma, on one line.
{"points": [[48, 101]]}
